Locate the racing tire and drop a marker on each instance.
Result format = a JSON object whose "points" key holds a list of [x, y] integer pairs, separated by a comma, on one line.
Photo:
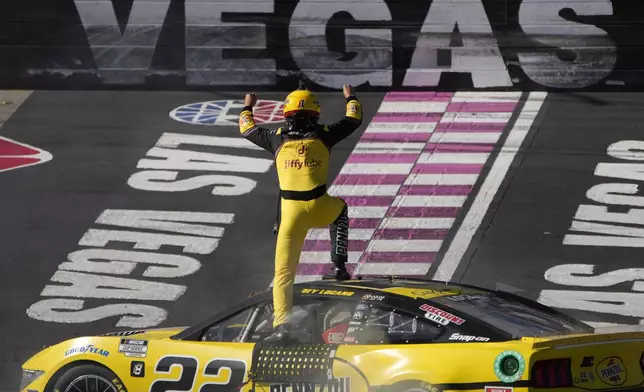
{"points": [[77, 375], [414, 386]]}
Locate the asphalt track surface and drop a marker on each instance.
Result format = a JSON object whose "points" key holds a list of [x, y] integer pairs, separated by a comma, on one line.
{"points": [[99, 139], [563, 229]]}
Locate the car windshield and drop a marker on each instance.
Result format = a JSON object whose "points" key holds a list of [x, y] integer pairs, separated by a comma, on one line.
{"points": [[515, 317]]}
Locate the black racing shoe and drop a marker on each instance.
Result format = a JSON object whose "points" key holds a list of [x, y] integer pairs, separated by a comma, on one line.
{"points": [[342, 274], [280, 335]]}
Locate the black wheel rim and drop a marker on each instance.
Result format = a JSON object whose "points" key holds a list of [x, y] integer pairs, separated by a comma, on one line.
{"points": [[90, 383]]}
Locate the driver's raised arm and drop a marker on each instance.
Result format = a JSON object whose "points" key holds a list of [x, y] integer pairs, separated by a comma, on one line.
{"points": [[268, 139], [338, 131]]}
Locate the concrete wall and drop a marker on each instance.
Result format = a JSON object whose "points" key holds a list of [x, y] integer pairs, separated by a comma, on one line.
{"points": [[266, 44]]}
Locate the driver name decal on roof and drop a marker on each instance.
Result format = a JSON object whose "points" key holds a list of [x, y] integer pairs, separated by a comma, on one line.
{"points": [[339, 293], [440, 316]]}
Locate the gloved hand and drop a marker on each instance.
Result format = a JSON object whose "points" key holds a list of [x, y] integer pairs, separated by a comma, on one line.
{"points": [[250, 99], [347, 90]]}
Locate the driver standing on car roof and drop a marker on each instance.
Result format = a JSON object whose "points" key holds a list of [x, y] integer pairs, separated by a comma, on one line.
{"points": [[301, 151]]}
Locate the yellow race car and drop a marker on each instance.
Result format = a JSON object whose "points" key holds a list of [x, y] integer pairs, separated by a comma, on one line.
{"points": [[378, 335]]}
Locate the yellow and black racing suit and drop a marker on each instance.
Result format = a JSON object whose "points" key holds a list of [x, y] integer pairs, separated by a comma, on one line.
{"points": [[302, 166]]}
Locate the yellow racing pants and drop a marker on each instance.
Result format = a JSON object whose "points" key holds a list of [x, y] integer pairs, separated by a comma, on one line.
{"points": [[296, 218]]}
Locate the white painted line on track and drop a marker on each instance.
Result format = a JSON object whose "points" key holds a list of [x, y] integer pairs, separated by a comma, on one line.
{"points": [[376, 168], [453, 157], [465, 137], [416, 223], [312, 257], [477, 211], [354, 234], [441, 179], [16, 97], [306, 278], [428, 201], [476, 117], [404, 245], [598, 324], [392, 127], [486, 97], [413, 107], [392, 268], [367, 212], [364, 190], [388, 147]]}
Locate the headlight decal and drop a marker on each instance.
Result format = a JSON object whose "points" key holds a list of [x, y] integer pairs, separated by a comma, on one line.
{"points": [[29, 376]]}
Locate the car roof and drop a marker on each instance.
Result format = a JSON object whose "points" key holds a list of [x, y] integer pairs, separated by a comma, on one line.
{"points": [[393, 288], [400, 292]]}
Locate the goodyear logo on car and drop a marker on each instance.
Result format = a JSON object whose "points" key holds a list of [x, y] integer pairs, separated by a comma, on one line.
{"points": [[88, 349], [612, 371], [339, 293]]}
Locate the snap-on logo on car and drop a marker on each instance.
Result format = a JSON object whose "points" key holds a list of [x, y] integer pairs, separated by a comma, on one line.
{"points": [[468, 338], [612, 371]]}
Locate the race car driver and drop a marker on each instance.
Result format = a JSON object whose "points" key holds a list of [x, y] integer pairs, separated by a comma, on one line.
{"points": [[301, 151]]}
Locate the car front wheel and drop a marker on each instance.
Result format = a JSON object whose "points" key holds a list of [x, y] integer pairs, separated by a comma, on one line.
{"points": [[89, 378]]}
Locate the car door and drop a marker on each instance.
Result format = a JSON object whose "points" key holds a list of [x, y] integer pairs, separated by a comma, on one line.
{"points": [[216, 362], [312, 329], [374, 337]]}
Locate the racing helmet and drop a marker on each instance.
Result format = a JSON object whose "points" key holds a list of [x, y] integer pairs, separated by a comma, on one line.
{"points": [[301, 111]]}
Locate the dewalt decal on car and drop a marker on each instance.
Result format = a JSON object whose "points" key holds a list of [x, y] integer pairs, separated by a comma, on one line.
{"points": [[342, 384]]}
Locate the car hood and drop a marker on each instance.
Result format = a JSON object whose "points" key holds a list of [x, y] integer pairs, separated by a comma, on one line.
{"points": [[147, 334]]}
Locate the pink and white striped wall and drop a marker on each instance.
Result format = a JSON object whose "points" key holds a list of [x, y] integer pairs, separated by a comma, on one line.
{"points": [[408, 178]]}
